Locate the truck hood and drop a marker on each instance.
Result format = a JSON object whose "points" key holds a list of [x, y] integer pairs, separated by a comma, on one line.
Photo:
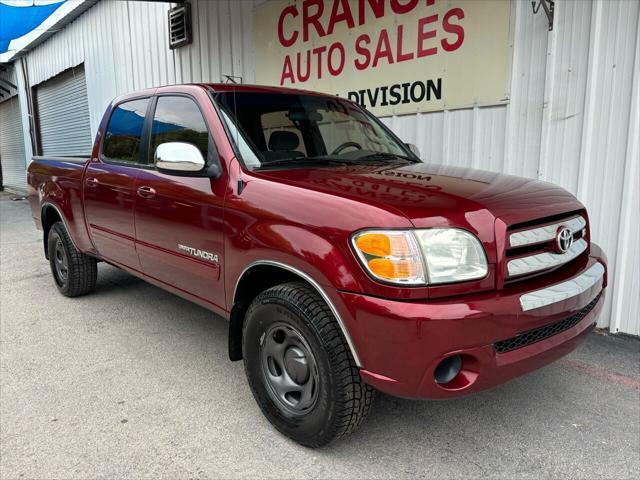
{"points": [[437, 195]]}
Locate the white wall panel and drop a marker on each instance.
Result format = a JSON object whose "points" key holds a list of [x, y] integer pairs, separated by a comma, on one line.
{"points": [[524, 111], [564, 100], [572, 118], [606, 128], [625, 298], [468, 138]]}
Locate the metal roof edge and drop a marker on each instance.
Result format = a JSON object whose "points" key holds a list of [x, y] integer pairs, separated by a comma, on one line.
{"points": [[80, 8]]}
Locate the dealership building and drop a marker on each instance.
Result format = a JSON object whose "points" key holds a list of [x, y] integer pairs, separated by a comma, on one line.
{"points": [[550, 91]]}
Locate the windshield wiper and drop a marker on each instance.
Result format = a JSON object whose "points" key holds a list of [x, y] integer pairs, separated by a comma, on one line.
{"points": [[387, 156], [309, 160], [336, 160]]}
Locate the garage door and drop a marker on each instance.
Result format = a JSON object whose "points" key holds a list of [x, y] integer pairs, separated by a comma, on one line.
{"points": [[63, 114], [12, 155]]}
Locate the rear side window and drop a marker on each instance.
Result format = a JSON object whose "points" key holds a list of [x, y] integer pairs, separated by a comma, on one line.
{"points": [[178, 119], [123, 138]]}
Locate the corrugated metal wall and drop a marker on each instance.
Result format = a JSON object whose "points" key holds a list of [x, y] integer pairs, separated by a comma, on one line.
{"points": [[572, 118], [12, 152], [124, 47], [12, 157], [63, 114]]}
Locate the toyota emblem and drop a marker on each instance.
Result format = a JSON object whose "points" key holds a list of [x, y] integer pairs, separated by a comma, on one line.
{"points": [[564, 239]]}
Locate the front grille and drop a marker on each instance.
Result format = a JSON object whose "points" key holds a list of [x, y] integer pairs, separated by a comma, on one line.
{"points": [[532, 247], [542, 333]]}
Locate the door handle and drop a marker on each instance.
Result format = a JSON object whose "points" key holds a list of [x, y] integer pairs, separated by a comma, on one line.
{"points": [[91, 182], [146, 192]]}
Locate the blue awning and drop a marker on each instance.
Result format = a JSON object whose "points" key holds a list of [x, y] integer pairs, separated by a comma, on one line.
{"points": [[16, 21]]}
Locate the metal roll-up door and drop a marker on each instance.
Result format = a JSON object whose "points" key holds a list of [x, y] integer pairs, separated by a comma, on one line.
{"points": [[63, 115], [12, 156]]}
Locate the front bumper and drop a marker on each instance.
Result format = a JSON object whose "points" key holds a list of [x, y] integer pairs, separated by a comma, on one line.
{"points": [[401, 343]]}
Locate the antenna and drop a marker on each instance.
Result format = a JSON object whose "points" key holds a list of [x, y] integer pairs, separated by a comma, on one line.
{"points": [[231, 79]]}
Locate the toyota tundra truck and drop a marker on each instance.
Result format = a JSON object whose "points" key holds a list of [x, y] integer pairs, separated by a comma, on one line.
{"points": [[343, 263]]}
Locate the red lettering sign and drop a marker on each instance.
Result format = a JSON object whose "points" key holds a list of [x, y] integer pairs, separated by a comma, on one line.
{"points": [[298, 24]]}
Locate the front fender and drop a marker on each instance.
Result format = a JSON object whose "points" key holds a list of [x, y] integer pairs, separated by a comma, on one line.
{"points": [[301, 252], [294, 246]]}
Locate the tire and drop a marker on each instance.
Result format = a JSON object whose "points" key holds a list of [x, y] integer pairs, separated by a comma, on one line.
{"points": [[290, 335], [73, 272]]}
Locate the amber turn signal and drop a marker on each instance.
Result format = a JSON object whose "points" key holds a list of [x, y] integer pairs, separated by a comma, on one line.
{"points": [[376, 244], [394, 269], [390, 255]]}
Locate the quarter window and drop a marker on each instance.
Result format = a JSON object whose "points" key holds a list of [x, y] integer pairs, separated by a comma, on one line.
{"points": [[178, 119], [123, 138]]}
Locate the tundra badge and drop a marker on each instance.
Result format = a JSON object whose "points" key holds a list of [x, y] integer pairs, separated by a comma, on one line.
{"points": [[199, 253]]}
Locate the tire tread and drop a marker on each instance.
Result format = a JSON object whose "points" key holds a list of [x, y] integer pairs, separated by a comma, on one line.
{"points": [[83, 269], [356, 396]]}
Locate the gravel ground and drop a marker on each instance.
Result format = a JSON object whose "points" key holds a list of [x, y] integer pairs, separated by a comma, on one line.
{"points": [[133, 382]]}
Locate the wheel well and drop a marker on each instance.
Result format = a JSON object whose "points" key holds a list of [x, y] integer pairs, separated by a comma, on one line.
{"points": [[255, 280], [49, 216]]}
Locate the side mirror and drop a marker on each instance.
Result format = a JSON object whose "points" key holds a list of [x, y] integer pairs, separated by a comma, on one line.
{"points": [[413, 149], [178, 157]]}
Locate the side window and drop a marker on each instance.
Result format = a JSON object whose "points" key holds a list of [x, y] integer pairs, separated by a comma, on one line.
{"points": [[178, 119], [123, 138]]}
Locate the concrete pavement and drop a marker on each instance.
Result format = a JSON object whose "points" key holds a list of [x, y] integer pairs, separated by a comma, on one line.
{"points": [[133, 382]]}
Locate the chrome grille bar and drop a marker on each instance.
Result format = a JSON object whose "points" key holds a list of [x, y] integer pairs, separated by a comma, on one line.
{"points": [[545, 233], [544, 260], [564, 290]]}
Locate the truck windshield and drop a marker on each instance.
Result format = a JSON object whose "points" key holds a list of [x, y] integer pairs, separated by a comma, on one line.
{"points": [[278, 130]]}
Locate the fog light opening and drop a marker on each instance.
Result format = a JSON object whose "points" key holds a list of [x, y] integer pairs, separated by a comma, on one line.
{"points": [[448, 369]]}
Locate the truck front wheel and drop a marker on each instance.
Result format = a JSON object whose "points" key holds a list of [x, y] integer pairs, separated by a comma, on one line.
{"points": [[300, 368], [74, 272]]}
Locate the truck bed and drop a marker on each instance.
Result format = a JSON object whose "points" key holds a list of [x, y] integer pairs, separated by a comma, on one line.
{"points": [[70, 159], [59, 179]]}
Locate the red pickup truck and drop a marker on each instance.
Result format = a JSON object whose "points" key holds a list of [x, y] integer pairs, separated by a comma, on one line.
{"points": [[342, 262]]}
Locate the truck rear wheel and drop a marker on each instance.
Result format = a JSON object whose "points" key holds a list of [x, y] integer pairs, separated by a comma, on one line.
{"points": [[300, 368], [74, 272]]}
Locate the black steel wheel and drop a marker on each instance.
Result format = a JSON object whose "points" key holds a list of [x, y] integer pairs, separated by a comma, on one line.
{"points": [[289, 368], [300, 368], [73, 272], [60, 262]]}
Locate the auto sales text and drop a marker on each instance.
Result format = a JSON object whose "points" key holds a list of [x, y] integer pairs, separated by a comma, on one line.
{"points": [[298, 23]]}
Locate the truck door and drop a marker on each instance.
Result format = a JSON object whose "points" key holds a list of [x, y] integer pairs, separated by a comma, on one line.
{"points": [[109, 184], [179, 222]]}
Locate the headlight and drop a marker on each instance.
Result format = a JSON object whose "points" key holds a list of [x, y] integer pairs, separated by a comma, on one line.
{"points": [[420, 257], [452, 255]]}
